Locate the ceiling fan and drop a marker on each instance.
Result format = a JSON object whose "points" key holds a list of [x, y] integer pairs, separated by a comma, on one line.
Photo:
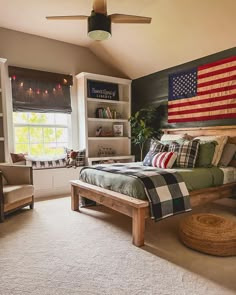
{"points": [[99, 23]]}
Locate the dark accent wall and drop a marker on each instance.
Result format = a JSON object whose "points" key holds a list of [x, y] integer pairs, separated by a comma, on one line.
{"points": [[152, 90]]}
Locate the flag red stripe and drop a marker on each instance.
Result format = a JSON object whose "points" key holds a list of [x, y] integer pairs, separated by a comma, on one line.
{"points": [[220, 89], [217, 72], [200, 110], [197, 102], [168, 160], [217, 81], [202, 118], [217, 63]]}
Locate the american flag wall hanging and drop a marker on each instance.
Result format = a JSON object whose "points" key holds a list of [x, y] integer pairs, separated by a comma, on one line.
{"points": [[207, 92]]}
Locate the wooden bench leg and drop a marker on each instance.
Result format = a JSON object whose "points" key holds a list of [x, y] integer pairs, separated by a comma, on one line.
{"points": [[74, 198], [138, 226]]}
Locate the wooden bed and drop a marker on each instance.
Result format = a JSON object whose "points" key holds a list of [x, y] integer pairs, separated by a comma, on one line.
{"points": [[137, 209]]}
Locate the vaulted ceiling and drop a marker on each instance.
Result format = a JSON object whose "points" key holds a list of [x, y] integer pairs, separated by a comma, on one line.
{"points": [[180, 31]]}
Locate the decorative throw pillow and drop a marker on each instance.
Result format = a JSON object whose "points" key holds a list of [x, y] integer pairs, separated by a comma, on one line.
{"points": [[18, 157], [186, 153], [221, 140], [155, 147], [75, 158], [164, 160], [205, 154], [227, 155]]}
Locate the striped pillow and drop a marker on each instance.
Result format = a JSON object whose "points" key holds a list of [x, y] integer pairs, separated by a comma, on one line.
{"points": [[164, 160], [187, 153]]}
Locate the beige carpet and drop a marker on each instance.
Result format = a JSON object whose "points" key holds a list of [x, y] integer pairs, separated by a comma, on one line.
{"points": [[53, 250]]}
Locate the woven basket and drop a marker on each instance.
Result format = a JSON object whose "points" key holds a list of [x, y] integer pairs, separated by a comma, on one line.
{"points": [[209, 233]]}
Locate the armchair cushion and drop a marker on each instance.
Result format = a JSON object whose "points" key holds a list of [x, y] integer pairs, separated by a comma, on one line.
{"points": [[13, 193]]}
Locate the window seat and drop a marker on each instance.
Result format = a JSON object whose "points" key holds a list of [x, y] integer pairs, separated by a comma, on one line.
{"points": [[54, 181]]}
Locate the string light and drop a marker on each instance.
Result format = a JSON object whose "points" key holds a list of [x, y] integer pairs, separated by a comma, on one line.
{"points": [[38, 90]]}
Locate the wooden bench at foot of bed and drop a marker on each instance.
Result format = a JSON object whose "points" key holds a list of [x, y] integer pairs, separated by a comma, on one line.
{"points": [[138, 209]]}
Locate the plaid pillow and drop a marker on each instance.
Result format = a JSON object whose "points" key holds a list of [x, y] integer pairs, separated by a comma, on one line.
{"points": [[186, 153], [155, 147], [77, 159]]}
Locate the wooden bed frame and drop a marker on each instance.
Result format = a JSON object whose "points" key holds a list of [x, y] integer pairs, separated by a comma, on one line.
{"points": [[137, 209]]}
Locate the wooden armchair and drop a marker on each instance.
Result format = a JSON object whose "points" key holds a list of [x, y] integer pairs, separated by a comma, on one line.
{"points": [[16, 188]]}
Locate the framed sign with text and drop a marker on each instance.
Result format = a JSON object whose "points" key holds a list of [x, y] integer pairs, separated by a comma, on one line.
{"points": [[102, 90]]}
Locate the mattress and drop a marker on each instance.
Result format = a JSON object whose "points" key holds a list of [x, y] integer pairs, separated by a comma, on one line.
{"points": [[195, 178], [229, 174]]}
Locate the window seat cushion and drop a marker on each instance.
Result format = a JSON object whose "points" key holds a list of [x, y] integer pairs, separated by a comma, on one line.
{"points": [[42, 164]]}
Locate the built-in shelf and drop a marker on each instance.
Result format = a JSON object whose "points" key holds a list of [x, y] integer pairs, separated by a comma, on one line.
{"points": [[117, 148], [1, 114], [96, 100], [108, 138], [1, 138], [107, 120]]}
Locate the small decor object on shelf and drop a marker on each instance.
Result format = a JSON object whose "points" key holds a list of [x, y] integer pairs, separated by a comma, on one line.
{"points": [[105, 151], [118, 130], [102, 90], [103, 133], [99, 131]]}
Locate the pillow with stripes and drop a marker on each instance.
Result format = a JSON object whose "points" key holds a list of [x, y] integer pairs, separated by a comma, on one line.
{"points": [[186, 153], [164, 160]]}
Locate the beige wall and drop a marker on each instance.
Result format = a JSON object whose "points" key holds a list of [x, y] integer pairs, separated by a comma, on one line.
{"points": [[34, 52]]}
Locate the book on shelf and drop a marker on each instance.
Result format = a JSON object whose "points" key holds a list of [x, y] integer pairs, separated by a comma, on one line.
{"points": [[105, 113]]}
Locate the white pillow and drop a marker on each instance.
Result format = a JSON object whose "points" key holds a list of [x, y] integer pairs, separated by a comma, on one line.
{"points": [[173, 137], [45, 158], [221, 142]]}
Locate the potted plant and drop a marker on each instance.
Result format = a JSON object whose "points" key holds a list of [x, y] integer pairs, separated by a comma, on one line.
{"points": [[141, 129]]}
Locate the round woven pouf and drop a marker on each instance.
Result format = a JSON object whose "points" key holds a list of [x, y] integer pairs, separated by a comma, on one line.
{"points": [[209, 233]]}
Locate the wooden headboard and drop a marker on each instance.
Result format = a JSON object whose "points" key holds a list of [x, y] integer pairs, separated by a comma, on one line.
{"points": [[211, 130]]}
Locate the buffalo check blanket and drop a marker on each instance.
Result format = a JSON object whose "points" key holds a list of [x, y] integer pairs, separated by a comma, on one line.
{"points": [[165, 189]]}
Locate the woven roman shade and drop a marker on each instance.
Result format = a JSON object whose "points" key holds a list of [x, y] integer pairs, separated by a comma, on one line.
{"points": [[39, 91]]}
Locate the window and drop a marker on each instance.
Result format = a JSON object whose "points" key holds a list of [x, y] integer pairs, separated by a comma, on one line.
{"points": [[40, 134]]}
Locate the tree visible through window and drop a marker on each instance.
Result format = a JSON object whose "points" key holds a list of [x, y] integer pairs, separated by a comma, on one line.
{"points": [[40, 134]]}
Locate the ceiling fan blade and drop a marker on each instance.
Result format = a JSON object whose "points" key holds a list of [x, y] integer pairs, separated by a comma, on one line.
{"points": [[100, 6], [67, 17], [129, 19]]}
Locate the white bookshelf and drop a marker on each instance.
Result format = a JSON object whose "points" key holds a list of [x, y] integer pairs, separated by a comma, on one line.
{"points": [[119, 147], [3, 77]]}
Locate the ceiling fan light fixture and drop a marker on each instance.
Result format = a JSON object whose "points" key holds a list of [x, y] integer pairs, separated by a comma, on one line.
{"points": [[99, 27]]}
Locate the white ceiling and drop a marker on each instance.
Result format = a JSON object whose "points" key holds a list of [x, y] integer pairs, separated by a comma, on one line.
{"points": [[181, 30]]}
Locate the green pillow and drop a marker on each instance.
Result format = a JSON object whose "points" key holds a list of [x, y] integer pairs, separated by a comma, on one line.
{"points": [[205, 154]]}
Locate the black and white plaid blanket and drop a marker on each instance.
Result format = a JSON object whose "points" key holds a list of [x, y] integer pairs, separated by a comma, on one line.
{"points": [[165, 189]]}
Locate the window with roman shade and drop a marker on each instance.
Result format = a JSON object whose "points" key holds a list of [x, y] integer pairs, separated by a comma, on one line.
{"points": [[41, 112]]}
